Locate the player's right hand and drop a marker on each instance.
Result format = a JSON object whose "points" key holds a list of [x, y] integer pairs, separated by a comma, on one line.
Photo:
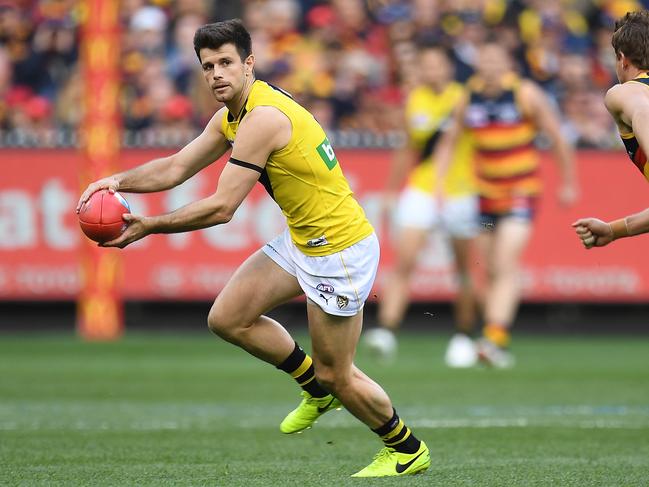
{"points": [[110, 183], [593, 232]]}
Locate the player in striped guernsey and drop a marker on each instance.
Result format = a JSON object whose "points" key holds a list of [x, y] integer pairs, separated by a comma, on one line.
{"points": [[628, 104], [504, 114]]}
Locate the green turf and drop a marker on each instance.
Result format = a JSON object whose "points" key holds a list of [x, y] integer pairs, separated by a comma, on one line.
{"points": [[192, 410]]}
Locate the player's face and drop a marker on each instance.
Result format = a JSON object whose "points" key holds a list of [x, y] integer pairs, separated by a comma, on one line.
{"points": [[434, 67], [493, 62], [224, 71]]}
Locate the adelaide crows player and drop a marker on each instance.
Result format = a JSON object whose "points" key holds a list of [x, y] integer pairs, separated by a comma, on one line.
{"points": [[628, 104]]}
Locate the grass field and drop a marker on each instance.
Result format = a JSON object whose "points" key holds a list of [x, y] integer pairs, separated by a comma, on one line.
{"points": [[191, 410]]}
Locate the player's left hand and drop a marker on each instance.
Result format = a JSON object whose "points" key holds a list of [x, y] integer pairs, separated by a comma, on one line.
{"points": [[136, 229]]}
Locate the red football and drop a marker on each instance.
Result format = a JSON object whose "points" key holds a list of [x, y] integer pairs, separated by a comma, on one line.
{"points": [[101, 217]]}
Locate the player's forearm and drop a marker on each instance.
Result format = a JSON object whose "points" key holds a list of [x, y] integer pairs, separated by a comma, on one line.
{"points": [[565, 157], [443, 155], [635, 224], [155, 175], [194, 216]]}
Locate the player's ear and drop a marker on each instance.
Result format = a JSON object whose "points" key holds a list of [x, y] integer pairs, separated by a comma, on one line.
{"points": [[249, 64], [624, 59]]}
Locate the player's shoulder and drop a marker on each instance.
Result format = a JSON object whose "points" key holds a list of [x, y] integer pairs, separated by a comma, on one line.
{"points": [[616, 94], [617, 90], [266, 123], [216, 123], [266, 114]]}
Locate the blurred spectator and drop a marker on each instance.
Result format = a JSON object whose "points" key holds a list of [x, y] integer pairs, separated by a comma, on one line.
{"points": [[181, 58], [586, 122], [351, 61], [69, 107], [147, 30]]}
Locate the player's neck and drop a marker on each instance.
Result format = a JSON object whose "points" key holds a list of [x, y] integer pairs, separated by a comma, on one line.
{"points": [[437, 88], [637, 73], [493, 89], [235, 105]]}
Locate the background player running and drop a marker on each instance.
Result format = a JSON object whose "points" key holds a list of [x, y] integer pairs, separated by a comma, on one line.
{"points": [[427, 109], [504, 114]]}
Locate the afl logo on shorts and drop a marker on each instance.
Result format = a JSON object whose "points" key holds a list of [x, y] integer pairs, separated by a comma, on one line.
{"points": [[325, 288], [342, 301]]}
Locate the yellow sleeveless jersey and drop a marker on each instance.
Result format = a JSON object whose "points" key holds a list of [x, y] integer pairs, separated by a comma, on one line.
{"points": [[426, 113], [305, 179]]}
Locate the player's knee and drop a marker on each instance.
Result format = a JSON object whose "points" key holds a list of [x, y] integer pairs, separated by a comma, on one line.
{"points": [[219, 324]]}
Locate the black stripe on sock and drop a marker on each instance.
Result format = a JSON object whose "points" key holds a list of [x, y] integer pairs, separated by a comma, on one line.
{"points": [[389, 426], [396, 439], [293, 361], [410, 445], [310, 372], [314, 388]]}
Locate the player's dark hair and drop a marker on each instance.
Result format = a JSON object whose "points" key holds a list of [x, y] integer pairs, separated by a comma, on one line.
{"points": [[631, 37], [213, 36]]}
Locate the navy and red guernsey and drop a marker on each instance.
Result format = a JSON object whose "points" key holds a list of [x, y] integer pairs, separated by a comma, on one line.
{"points": [[633, 149]]}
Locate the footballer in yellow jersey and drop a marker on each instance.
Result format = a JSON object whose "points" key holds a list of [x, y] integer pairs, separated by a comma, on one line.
{"points": [[419, 210], [305, 178], [330, 252]]}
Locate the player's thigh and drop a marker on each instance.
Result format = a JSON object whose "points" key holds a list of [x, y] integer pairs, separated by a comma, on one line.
{"points": [[417, 213], [333, 340], [511, 238], [335, 305], [416, 209], [460, 216], [257, 286]]}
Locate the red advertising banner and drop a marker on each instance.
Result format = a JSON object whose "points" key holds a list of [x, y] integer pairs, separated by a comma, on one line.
{"points": [[40, 238]]}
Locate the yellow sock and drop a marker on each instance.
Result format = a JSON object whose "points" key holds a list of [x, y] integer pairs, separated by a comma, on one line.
{"points": [[497, 334]]}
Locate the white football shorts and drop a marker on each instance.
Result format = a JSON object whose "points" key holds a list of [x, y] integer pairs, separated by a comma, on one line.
{"points": [[339, 283], [458, 215]]}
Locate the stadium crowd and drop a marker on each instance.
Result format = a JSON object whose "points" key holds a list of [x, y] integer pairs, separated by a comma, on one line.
{"points": [[348, 61]]}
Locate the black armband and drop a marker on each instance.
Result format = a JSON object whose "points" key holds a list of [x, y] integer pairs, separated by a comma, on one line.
{"points": [[247, 165]]}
